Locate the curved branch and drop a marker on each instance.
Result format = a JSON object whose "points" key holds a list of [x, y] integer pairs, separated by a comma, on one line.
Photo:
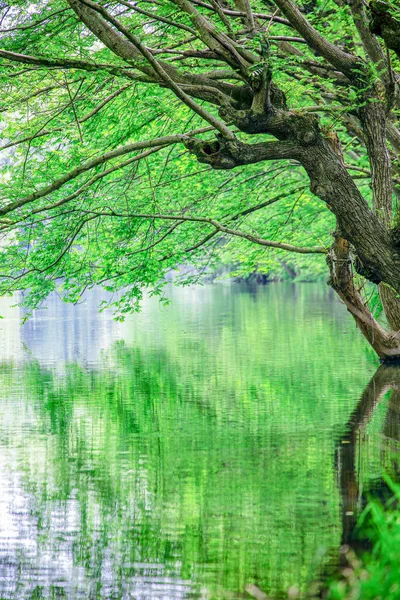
{"points": [[371, 45], [338, 58], [65, 63], [9, 225], [162, 73], [46, 132], [94, 162], [103, 103], [218, 226]]}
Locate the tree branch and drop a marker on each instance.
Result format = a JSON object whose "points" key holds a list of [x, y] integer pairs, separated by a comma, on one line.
{"points": [[338, 58], [218, 226], [162, 73], [156, 17], [371, 45], [218, 42], [238, 13], [65, 63], [94, 162]]}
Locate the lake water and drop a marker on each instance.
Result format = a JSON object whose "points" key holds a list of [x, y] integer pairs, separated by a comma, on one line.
{"points": [[217, 448]]}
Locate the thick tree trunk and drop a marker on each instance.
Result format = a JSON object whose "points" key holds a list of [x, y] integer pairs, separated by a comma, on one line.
{"points": [[385, 343], [391, 306], [374, 122]]}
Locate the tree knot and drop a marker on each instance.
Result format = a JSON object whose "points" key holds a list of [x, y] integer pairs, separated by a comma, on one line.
{"points": [[219, 153]]}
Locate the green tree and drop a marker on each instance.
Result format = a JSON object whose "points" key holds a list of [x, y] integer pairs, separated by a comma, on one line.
{"points": [[109, 107]]}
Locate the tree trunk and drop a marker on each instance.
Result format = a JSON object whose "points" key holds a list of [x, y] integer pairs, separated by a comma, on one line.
{"points": [[391, 306], [386, 344]]}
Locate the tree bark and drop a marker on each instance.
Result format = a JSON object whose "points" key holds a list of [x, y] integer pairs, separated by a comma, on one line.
{"points": [[386, 344], [385, 25]]}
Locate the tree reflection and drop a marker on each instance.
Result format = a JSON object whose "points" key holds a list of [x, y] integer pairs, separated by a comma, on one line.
{"points": [[349, 451]]}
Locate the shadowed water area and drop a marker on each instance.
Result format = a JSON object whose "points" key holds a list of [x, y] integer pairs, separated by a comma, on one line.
{"points": [[217, 448]]}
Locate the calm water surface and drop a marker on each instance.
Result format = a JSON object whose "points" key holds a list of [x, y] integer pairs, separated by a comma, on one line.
{"points": [[212, 449]]}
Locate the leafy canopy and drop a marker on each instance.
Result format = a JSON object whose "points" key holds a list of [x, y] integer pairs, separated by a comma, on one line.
{"points": [[97, 187]]}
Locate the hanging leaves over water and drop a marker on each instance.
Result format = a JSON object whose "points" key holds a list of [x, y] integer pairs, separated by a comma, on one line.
{"points": [[145, 139]]}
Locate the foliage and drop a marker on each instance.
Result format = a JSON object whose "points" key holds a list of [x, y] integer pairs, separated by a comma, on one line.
{"points": [[376, 574], [73, 217]]}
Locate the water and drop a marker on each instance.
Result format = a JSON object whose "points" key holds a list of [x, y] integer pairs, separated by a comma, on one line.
{"points": [[194, 451]]}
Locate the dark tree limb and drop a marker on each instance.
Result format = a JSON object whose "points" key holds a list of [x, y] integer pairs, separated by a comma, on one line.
{"points": [[385, 25], [386, 344]]}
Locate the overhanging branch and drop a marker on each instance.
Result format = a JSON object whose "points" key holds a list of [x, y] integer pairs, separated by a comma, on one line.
{"points": [[161, 72], [94, 162], [217, 225]]}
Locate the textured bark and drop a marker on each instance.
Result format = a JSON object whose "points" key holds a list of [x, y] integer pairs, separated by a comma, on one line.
{"points": [[371, 45], [385, 25], [374, 122], [330, 181], [123, 48], [386, 344], [336, 56], [391, 305], [302, 140]]}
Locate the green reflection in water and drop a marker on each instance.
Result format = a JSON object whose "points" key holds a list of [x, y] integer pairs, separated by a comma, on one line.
{"points": [[192, 459]]}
